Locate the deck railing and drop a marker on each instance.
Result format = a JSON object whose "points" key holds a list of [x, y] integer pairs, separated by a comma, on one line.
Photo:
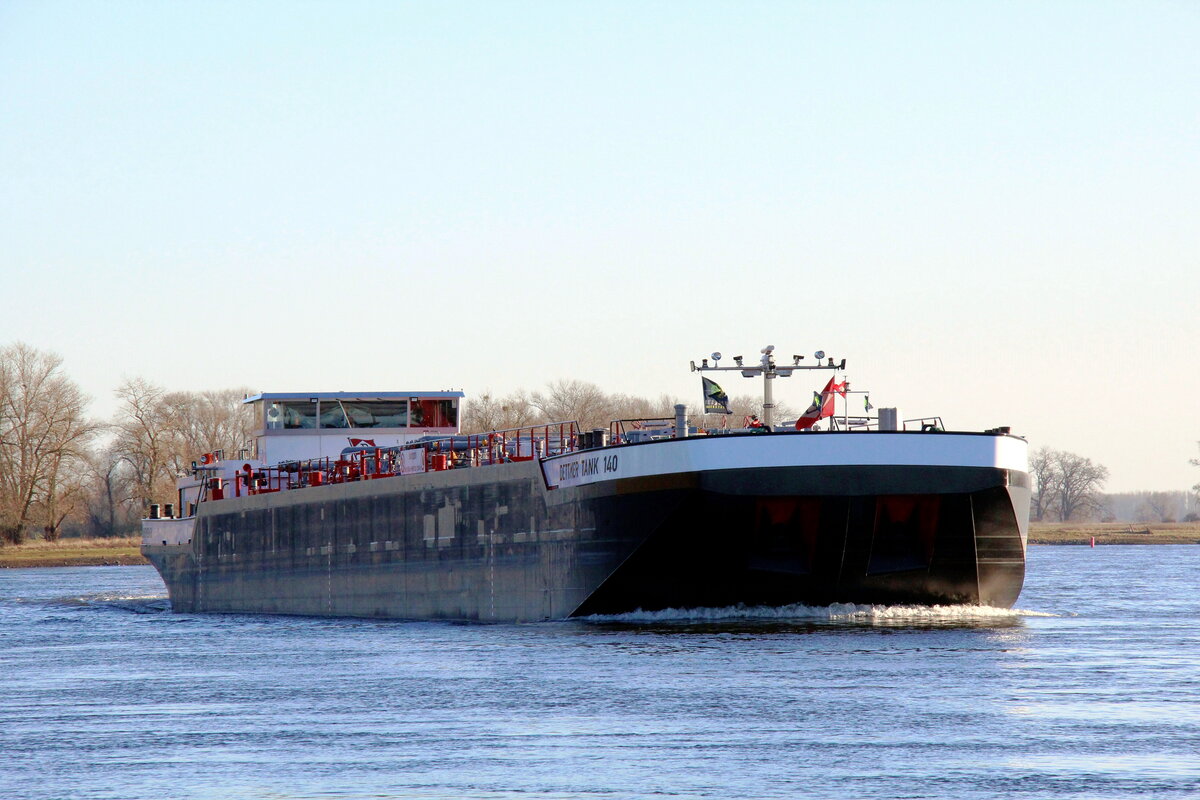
{"points": [[456, 451]]}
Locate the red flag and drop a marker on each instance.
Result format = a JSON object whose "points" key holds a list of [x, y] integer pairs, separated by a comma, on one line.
{"points": [[822, 405]]}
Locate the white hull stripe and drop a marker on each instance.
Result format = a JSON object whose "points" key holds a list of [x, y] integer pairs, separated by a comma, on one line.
{"points": [[796, 450]]}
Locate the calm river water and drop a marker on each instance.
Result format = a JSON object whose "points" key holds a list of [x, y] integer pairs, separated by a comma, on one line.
{"points": [[1091, 690]]}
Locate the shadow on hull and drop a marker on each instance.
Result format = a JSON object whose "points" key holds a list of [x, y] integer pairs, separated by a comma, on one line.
{"points": [[890, 549]]}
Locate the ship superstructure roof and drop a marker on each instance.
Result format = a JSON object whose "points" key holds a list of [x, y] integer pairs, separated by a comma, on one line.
{"points": [[352, 395]]}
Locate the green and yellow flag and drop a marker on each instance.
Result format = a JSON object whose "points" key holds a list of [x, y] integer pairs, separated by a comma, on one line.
{"points": [[715, 399]]}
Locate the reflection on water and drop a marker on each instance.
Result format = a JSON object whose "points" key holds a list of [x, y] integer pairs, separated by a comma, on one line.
{"points": [[1088, 691]]}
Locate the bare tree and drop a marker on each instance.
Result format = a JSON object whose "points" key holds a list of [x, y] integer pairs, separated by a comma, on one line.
{"points": [[1160, 507], [44, 435], [107, 506], [572, 400], [205, 422], [62, 499], [624, 406], [488, 412], [144, 428], [1065, 484], [158, 433], [1044, 471], [1079, 480]]}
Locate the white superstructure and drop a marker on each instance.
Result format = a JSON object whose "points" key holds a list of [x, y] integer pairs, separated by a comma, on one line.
{"points": [[294, 426]]}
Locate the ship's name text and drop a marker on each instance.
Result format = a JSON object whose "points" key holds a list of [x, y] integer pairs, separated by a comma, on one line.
{"points": [[584, 468]]}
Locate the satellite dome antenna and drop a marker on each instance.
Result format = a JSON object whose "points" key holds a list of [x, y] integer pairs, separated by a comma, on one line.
{"points": [[716, 356]]}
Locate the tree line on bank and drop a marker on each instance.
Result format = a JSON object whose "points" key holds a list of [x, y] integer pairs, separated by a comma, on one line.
{"points": [[1066, 487], [1178, 506], [62, 471]]}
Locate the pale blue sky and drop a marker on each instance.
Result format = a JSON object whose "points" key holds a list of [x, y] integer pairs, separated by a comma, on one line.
{"points": [[990, 209]]}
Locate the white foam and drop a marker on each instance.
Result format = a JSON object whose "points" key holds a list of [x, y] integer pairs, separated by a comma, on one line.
{"points": [[114, 599], [117, 597], [838, 612]]}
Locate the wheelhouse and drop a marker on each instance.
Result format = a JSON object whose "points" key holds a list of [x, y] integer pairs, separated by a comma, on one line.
{"points": [[303, 425]]}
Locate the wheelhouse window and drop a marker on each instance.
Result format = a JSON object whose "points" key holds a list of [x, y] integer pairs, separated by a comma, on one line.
{"points": [[291, 414], [333, 415], [341, 414], [379, 414], [364, 413], [434, 413]]}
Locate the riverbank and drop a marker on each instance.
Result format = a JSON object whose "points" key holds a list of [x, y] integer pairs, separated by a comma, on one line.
{"points": [[1114, 533], [123, 551]]}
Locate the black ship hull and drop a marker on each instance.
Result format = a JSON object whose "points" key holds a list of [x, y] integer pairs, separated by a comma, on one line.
{"points": [[505, 543]]}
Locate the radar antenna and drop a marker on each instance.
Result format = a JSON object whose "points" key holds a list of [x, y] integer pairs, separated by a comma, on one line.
{"points": [[769, 371]]}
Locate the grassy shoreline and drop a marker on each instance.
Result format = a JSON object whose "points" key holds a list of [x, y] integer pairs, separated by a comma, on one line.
{"points": [[1114, 533], [120, 551], [125, 551]]}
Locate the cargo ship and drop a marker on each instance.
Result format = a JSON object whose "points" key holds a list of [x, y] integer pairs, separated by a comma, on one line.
{"points": [[374, 504]]}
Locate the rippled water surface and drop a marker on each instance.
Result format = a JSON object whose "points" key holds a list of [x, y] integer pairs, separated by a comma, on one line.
{"points": [[1090, 690]]}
